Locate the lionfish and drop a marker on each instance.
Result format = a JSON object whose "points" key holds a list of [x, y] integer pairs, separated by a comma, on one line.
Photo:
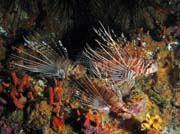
{"points": [[98, 95], [40, 57], [119, 62]]}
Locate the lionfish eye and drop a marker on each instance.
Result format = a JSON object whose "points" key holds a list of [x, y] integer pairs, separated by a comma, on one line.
{"points": [[149, 65]]}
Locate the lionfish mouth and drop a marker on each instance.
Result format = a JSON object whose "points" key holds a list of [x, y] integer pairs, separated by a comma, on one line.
{"points": [[138, 107]]}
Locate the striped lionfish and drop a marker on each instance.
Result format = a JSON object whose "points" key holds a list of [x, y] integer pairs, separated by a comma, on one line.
{"points": [[119, 62], [39, 57], [99, 95]]}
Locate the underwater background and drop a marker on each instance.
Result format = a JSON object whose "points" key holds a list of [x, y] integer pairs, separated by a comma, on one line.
{"points": [[89, 67]]}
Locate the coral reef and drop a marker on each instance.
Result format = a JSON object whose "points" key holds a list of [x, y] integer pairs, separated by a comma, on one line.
{"points": [[50, 103], [39, 115], [117, 85]]}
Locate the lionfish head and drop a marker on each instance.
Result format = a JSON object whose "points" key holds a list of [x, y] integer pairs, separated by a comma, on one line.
{"points": [[101, 106], [152, 67], [60, 74]]}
